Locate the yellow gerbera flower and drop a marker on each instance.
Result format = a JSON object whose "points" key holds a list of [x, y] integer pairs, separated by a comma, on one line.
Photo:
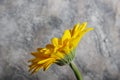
{"points": [[60, 51]]}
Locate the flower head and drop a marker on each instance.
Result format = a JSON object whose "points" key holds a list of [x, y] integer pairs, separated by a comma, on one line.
{"points": [[60, 51]]}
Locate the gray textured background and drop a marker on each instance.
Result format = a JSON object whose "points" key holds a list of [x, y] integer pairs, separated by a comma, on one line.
{"points": [[28, 24]]}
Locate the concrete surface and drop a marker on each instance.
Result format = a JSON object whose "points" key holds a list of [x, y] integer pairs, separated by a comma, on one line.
{"points": [[28, 24]]}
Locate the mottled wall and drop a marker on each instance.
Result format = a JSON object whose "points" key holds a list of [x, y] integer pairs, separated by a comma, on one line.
{"points": [[28, 24]]}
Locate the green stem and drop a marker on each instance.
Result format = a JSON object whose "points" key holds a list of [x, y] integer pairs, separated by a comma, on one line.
{"points": [[76, 71]]}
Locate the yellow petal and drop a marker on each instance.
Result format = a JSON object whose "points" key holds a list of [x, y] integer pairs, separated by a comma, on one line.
{"points": [[66, 35], [45, 60], [54, 41], [34, 60], [83, 26], [36, 69], [32, 66], [74, 43], [76, 40], [38, 49], [39, 55], [59, 55], [48, 64], [88, 29], [36, 54], [75, 28], [49, 46], [67, 50], [84, 32], [46, 67]]}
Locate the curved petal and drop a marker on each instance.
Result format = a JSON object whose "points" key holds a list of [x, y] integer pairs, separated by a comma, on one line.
{"points": [[75, 28], [43, 61], [82, 26], [66, 35], [48, 64], [54, 41]]}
